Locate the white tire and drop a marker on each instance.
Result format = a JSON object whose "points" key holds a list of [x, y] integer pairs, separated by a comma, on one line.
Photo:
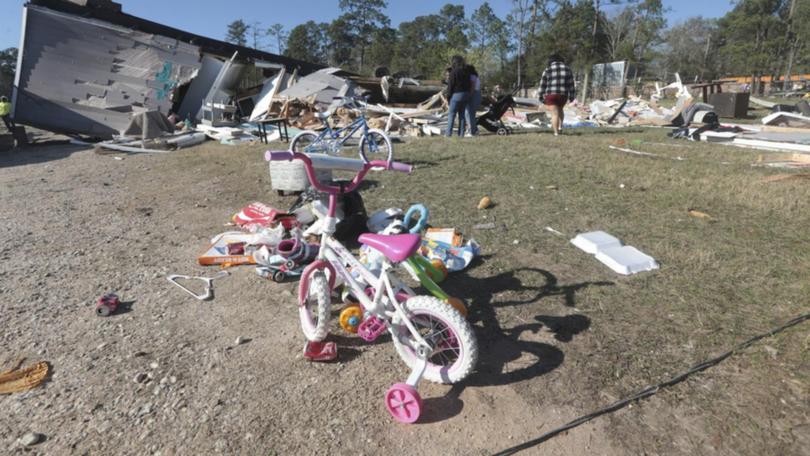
{"points": [[315, 312], [376, 145], [455, 348]]}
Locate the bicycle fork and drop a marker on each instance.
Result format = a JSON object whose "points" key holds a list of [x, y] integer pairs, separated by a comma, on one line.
{"points": [[423, 349]]}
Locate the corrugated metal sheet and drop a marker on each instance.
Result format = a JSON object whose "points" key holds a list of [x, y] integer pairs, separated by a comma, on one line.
{"points": [[88, 77]]}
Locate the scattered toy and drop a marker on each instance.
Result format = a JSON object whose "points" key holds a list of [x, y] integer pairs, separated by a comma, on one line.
{"points": [[698, 214], [209, 284], [107, 304], [449, 236], [455, 258], [262, 215], [485, 203], [297, 251], [421, 221], [320, 351], [220, 252]]}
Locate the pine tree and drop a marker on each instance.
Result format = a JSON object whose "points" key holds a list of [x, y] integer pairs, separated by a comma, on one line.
{"points": [[237, 32]]}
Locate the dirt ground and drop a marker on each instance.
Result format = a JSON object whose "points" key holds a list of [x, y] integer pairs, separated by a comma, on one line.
{"points": [[560, 335]]}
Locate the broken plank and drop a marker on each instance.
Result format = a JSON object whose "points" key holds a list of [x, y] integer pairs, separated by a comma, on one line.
{"points": [[777, 129], [764, 103], [634, 152], [784, 177], [771, 145]]}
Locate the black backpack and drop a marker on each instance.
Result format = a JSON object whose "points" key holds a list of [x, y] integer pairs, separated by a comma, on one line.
{"points": [[355, 216]]}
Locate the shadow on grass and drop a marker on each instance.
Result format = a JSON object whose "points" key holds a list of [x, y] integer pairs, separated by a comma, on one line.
{"points": [[579, 131], [503, 357], [599, 131], [422, 164]]}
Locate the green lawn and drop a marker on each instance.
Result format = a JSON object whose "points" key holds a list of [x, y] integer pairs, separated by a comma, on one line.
{"points": [[721, 280], [560, 331]]}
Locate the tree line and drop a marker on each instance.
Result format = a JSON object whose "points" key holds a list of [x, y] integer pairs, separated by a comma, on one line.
{"points": [[755, 38]]}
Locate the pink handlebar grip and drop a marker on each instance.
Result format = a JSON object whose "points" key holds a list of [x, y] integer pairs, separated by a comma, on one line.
{"points": [[401, 167], [278, 155]]}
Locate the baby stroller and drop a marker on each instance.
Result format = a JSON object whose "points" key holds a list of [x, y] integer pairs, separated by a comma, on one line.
{"points": [[491, 120]]}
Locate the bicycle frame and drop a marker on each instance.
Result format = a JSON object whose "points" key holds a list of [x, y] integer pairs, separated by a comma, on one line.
{"points": [[337, 134], [385, 286], [333, 256]]}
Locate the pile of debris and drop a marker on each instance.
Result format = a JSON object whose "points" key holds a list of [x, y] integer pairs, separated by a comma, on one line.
{"points": [[632, 111], [787, 129]]}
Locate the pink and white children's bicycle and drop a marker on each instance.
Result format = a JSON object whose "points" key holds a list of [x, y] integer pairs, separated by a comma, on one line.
{"points": [[430, 336]]}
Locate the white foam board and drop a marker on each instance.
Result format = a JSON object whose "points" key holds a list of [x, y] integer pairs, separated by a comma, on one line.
{"points": [[626, 260], [595, 241]]}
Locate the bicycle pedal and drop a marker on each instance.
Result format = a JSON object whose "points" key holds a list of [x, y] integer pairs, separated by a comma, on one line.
{"points": [[371, 328]]}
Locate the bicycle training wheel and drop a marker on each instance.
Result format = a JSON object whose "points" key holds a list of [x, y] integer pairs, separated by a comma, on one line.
{"points": [[307, 141], [455, 349], [376, 145], [314, 313]]}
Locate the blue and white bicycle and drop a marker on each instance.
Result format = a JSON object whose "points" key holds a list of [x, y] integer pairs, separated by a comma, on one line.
{"points": [[374, 143]]}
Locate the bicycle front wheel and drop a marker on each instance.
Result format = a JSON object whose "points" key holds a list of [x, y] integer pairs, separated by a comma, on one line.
{"points": [[376, 145], [315, 312], [454, 346]]}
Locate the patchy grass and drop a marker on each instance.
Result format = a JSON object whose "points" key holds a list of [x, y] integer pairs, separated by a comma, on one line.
{"points": [[721, 280], [562, 332]]}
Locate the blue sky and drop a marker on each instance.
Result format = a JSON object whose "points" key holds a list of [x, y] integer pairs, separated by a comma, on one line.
{"points": [[210, 17]]}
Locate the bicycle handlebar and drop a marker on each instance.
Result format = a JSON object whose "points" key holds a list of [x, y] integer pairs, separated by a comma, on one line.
{"points": [[360, 166]]}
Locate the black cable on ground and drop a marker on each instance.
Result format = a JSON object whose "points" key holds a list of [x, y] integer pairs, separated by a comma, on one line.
{"points": [[651, 390]]}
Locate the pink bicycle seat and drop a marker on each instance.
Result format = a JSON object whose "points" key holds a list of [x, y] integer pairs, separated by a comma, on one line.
{"points": [[396, 247]]}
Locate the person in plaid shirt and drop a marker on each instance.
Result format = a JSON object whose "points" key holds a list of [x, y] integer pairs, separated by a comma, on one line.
{"points": [[556, 88]]}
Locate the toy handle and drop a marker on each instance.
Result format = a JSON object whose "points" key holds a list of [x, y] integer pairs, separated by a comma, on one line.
{"points": [[401, 167]]}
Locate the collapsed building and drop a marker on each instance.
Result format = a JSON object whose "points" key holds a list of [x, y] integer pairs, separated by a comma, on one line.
{"points": [[85, 67]]}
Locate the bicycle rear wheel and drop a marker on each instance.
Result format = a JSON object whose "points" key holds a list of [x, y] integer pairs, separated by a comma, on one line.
{"points": [[455, 348], [376, 145]]}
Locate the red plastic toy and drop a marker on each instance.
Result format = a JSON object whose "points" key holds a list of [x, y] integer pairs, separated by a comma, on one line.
{"points": [[320, 351], [107, 304], [264, 215]]}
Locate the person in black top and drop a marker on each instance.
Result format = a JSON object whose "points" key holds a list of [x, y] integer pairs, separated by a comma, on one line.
{"points": [[458, 93], [474, 101]]}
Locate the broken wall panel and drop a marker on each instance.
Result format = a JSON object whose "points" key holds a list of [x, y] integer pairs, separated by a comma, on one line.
{"points": [[321, 87], [199, 87], [110, 12], [86, 76]]}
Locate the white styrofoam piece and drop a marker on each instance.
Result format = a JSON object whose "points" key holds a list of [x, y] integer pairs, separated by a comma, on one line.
{"points": [[626, 260], [771, 117], [771, 145], [595, 241], [715, 136]]}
